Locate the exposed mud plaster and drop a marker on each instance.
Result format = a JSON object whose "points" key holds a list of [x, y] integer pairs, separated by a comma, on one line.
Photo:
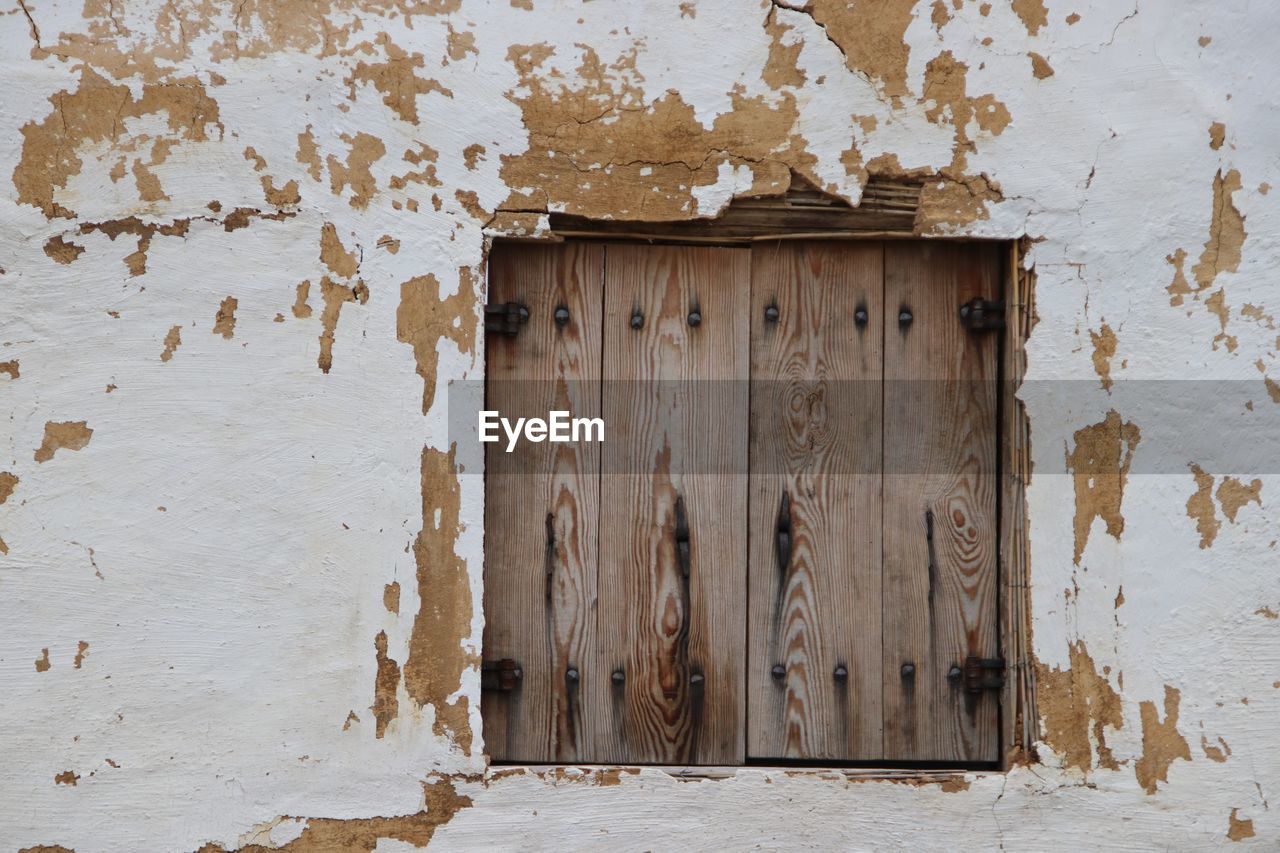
{"points": [[1238, 828], [10, 368], [1233, 494], [1226, 233], [82, 651], [335, 256], [441, 801], [1217, 134], [424, 319], [172, 340], [385, 704], [1104, 349], [63, 435], [1100, 467], [1161, 742], [62, 250], [1219, 753], [94, 113], [335, 296], [607, 125], [436, 663], [871, 37], [301, 309], [8, 483], [364, 151], [1078, 706], [397, 79], [391, 597], [1200, 507], [1033, 13], [1040, 67], [42, 662], [224, 322]]}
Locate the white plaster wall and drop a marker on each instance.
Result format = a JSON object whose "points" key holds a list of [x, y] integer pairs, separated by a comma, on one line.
{"points": [[231, 634]]}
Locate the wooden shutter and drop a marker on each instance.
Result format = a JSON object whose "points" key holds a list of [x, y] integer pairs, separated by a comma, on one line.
{"points": [[814, 628], [542, 504], [939, 502], [646, 589], [674, 505]]}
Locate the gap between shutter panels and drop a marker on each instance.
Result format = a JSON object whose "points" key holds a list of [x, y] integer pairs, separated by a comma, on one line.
{"points": [[755, 527]]}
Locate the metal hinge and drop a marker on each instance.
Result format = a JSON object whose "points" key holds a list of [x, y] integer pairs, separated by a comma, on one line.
{"points": [[983, 674], [501, 676], [505, 318], [982, 315]]}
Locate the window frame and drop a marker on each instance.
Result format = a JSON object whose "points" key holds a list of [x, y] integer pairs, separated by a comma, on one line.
{"points": [[1016, 722]]}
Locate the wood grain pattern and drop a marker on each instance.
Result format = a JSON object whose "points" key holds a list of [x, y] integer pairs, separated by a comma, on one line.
{"points": [[815, 479], [542, 505], [939, 502], [671, 620], [887, 206]]}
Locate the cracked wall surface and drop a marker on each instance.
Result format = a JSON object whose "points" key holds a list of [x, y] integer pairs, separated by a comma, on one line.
{"points": [[242, 255]]}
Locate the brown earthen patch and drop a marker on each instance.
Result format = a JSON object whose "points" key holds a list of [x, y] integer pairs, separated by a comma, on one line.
{"points": [[335, 296], [1104, 349], [63, 435], [1238, 828], [95, 113], [1075, 703], [62, 250], [224, 322], [1100, 468], [385, 703], [1161, 742], [172, 340], [437, 660]]}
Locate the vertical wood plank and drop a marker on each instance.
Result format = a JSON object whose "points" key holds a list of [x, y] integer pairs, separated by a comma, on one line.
{"points": [[672, 616], [542, 504], [816, 361], [939, 502]]}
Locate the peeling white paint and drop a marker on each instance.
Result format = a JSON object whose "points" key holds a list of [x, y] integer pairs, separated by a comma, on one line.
{"points": [[231, 633]]}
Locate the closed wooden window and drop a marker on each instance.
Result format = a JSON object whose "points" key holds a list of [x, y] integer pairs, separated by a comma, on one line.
{"points": [[785, 548]]}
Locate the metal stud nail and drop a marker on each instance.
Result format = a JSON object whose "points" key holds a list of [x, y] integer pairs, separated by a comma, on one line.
{"points": [[562, 316], [841, 673], [778, 672], [771, 314], [695, 318], [904, 318], [637, 320], [908, 670], [696, 679], [954, 673], [618, 677], [571, 675], [861, 317]]}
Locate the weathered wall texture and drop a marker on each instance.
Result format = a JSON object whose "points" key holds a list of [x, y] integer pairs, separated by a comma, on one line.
{"points": [[242, 254]]}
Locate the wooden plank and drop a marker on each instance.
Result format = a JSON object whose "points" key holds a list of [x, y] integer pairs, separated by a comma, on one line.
{"points": [[815, 480], [939, 503], [542, 504], [746, 223], [675, 404]]}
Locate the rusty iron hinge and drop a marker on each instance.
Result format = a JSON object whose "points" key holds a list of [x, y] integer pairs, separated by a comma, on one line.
{"points": [[501, 676], [983, 674], [505, 318], [982, 315]]}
